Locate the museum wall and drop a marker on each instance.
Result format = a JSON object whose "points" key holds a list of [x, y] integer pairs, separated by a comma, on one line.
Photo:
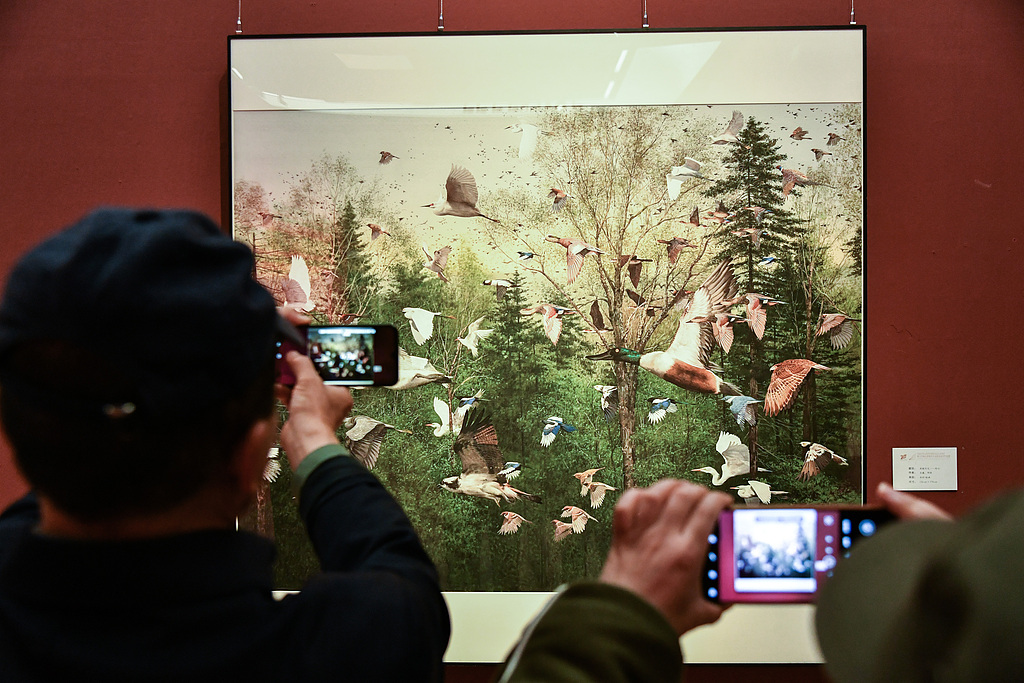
{"points": [[122, 103]]}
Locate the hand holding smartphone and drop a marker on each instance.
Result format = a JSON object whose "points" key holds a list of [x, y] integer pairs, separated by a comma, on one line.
{"points": [[782, 554], [344, 355]]}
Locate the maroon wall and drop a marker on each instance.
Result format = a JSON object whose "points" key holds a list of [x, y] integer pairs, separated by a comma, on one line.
{"points": [[121, 103]]}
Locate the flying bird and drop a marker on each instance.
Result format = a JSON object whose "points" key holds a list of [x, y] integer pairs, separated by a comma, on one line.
{"points": [[482, 463], [575, 251], [500, 287], [743, 408], [757, 314], [675, 247], [552, 426], [297, 287], [722, 326], [459, 196], [560, 198], [685, 362], [386, 157], [414, 371], [837, 327], [473, 336], [598, 318], [792, 178], [512, 522], [757, 491], [633, 264], [753, 232], [674, 180], [597, 492], [736, 456], [816, 459], [525, 255], [528, 143], [819, 153], [660, 407], [422, 323], [551, 317], [787, 377], [579, 518], [437, 261], [272, 470], [267, 219], [731, 132], [451, 421], [799, 134], [562, 529], [363, 437], [376, 231], [586, 478], [609, 400], [834, 139]]}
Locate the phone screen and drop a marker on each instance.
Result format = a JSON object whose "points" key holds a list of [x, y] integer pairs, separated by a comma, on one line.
{"points": [[782, 555], [348, 355]]}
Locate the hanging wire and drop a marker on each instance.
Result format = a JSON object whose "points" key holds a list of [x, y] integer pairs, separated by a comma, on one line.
{"points": [[238, 26], [853, 20], [440, 16], [645, 22]]}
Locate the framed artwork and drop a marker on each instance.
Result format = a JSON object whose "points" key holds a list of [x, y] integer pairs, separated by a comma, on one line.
{"points": [[635, 255]]}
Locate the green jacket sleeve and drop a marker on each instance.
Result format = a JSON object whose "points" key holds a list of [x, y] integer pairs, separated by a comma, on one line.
{"points": [[594, 631]]}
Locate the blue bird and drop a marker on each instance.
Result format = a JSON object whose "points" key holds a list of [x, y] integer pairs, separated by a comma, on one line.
{"points": [[525, 255], [743, 409], [660, 407], [768, 259], [552, 426]]}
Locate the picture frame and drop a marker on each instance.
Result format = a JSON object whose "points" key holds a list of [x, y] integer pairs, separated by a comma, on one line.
{"points": [[365, 129]]}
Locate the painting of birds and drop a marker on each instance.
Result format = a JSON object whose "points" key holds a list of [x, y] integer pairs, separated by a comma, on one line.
{"points": [[799, 134], [743, 408], [579, 518], [512, 522], [437, 261], [500, 287], [459, 196], [552, 427], [722, 326], [787, 377], [272, 470], [819, 153], [609, 400], [551, 317], [386, 157], [376, 231], [679, 174], [833, 139], [267, 219], [364, 436], [473, 336], [482, 462], [525, 255], [414, 371], [575, 251], [685, 362], [816, 459], [838, 327], [421, 321], [660, 407], [297, 287], [731, 132], [736, 456], [597, 318]]}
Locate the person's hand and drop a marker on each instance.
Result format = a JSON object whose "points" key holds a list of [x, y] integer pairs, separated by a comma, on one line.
{"points": [[315, 410], [659, 544], [906, 506]]}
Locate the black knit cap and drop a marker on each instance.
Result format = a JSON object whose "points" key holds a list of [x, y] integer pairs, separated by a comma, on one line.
{"points": [[162, 295]]}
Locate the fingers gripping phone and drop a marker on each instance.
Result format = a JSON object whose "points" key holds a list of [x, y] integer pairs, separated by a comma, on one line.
{"points": [[345, 355], [780, 554]]}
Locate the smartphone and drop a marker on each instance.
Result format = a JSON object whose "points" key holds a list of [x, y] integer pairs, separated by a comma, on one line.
{"points": [[345, 355], [782, 554]]}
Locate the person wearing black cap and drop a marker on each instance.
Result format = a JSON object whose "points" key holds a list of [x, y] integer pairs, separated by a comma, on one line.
{"points": [[136, 389]]}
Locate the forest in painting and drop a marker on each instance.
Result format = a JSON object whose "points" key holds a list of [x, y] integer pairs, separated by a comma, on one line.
{"points": [[781, 206]]}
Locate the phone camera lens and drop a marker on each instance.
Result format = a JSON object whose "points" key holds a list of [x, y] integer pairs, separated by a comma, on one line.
{"points": [[712, 574], [712, 539], [712, 592], [867, 527], [713, 557]]}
